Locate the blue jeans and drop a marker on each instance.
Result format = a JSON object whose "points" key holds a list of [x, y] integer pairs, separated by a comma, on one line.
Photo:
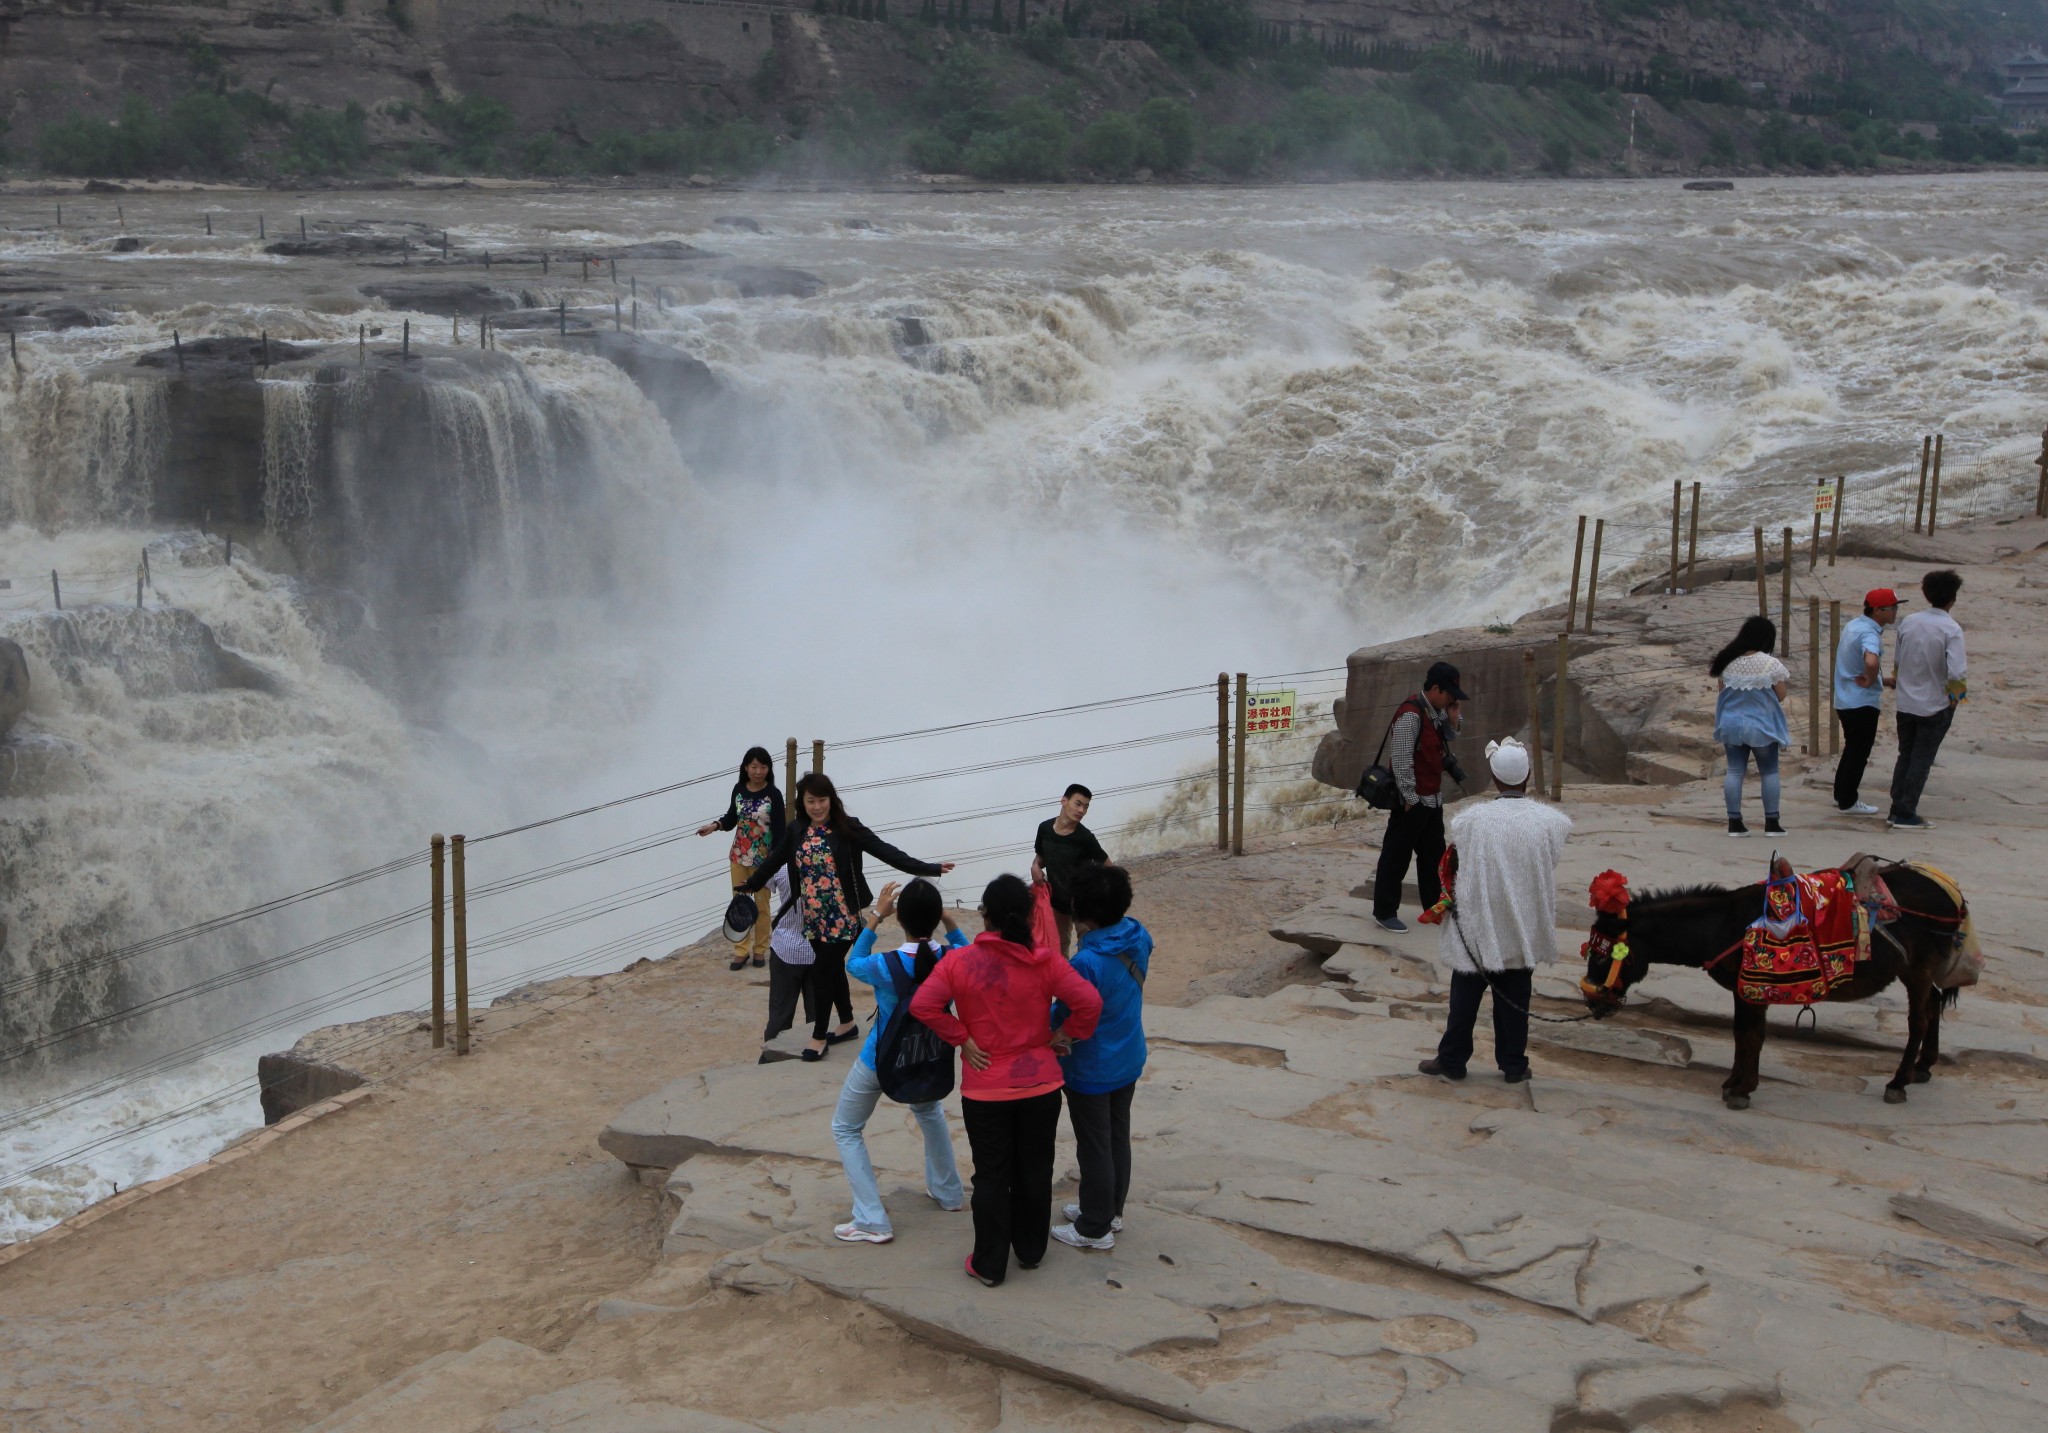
{"points": [[1738, 766], [857, 1100]]}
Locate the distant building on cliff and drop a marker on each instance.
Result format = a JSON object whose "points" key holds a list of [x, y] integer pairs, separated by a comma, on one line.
{"points": [[2026, 92]]}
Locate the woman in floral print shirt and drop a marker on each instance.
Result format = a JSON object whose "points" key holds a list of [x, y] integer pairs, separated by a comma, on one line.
{"points": [[823, 847], [755, 817]]}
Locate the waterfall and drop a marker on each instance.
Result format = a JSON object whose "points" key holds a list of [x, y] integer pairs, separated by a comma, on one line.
{"points": [[76, 451]]}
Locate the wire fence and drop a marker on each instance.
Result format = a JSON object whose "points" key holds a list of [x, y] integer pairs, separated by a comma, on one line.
{"points": [[1275, 781]]}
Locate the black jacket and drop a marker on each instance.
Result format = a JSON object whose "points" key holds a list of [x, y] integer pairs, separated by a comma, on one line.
{"points": [[847, 851], [776, 817]]}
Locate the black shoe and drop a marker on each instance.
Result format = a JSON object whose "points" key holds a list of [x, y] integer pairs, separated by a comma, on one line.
{"points": [[1518, 1076], [1772, 827], [809, 1055], [1436, 1067], [758, 962], [1736, 828], [840, 1037], [740, 964]]}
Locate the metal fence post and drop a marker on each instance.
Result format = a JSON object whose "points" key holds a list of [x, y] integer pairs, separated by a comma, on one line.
{"points": [[1571, 611], [1692, 539], [1785, 599], [1237, 784], [1763, 590], [789, 776], [461, 945], [1834, 649], [439, 938], [1677, 504], [1920, 496], [1223, 761], [1934, 485], [1813, 548], [1564, 658], [1813, 739], [1532, 688], [1835, 528], [1593, 574]]}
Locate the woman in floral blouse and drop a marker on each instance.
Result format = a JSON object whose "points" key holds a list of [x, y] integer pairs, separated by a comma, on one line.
{"points": [[824, 847], [755, 817]]}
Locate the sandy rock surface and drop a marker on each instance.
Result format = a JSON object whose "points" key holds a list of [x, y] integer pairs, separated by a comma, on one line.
{"points": [[610, 1219]]}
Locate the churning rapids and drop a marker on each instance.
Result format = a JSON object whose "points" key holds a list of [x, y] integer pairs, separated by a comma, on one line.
{"points": [[1015, 452]]}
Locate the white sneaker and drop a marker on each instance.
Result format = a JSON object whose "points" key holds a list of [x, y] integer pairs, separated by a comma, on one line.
{"points": [[949, 1208], [1861, 808], [1073, 1212], [854, 1234], [1068, 1234]]}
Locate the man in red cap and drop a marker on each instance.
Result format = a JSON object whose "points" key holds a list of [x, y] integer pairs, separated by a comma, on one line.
{"points": [[1859, 695]]}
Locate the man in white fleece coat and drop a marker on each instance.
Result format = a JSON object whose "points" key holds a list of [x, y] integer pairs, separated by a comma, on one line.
{"points": [[1501, 922]]}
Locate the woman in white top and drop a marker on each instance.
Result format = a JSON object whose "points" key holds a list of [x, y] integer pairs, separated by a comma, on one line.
{"points": [[1749, 717]]}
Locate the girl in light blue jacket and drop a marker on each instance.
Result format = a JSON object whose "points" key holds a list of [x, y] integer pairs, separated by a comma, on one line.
{"points": [[921, 910], [1749, 717]]}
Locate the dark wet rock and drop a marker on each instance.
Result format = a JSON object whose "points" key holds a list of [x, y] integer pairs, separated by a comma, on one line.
{"points": [[224, 356], [13, 684], [342, 246], [678, 384], [127, 244], [542, 318], [672, 250], [102, 186], [912, 332], [450, 298], [53, 318], [856, 223], [737, 221], [760, 281], [1710, 186], [155, 651]]}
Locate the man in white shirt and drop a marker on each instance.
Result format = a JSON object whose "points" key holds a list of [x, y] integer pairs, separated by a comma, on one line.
{"points": [[1501, 920], [1929, 674]]}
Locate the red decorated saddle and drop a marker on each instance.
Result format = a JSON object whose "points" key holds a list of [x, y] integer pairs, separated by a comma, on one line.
{"points": [[1807, 941]]}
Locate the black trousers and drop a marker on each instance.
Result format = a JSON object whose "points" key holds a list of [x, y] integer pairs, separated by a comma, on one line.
{"points": [[1510, 1025], [826, 990], [1012, 1145], [1415, 834], [1102, 1140], [1919, 739], [1859, 734], [785, 983]]}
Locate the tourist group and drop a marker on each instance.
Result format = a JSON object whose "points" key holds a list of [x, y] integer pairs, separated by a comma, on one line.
{"points": [[1037, 1021]]}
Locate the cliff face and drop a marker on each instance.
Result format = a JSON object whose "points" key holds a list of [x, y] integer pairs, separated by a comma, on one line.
{"points": [[584, 66]]}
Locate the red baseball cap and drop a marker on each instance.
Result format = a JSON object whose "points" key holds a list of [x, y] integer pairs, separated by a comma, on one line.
{"points": [[1880, 597]]}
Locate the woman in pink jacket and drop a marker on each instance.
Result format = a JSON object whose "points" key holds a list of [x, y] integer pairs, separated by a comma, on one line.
{"points": [[1001, 989]]}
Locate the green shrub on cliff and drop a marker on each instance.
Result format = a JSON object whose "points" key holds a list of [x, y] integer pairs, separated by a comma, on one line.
{"points": [[1111, 145], [203, 133], [327, 141], [1031, 143], [1169, 131], [474, 125]]}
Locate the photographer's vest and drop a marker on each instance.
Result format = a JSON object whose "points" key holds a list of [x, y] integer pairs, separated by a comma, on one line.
{"points": [[1429, 746]]}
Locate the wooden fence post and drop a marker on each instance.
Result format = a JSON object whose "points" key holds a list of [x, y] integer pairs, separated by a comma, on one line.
{"points": [[2041, 490], [1564, 658], [1785, 599], [1692, 539], [1813, 548], [1532, 688], [1223, 761], [1934, 485], [439, 938], [1677, 502], [1593, 575], [1763, 590], [1920, 496], [1834, 651], [1571, 612], [789, 776], [817, 755], [1813, 737], [56, 590], [461, 881], [1237, 778], [1835, 529]]}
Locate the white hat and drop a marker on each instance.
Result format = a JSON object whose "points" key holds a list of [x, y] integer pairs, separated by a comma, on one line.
{"points": [[1509, 760]]}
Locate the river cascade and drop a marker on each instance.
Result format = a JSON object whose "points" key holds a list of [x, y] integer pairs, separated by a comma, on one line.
{"points": [[970, 456]]}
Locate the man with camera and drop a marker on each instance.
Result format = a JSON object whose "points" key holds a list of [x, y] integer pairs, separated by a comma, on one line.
{"points": [[1418, 745]]}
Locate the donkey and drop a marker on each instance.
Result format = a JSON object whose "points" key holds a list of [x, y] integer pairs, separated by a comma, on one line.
{"points": [[1702, 927]]}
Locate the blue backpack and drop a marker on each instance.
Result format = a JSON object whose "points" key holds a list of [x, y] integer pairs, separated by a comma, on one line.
{"points": [[912, 1064]]}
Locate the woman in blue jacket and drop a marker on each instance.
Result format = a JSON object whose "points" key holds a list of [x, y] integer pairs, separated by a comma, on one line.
{"points": [[921, 912], [1749, 717], [1102, 1071]]}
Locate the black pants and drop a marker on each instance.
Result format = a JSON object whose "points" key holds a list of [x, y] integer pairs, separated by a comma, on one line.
{"points": [[827, 989], [1919, 739], [1510, 1025], [1012, 1145], [1859, 734], [785, 983], [1102, 1139], [1414, 834]]}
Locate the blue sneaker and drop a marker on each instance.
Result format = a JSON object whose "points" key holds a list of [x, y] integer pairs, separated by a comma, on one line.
{"points": [[1393, 923]]}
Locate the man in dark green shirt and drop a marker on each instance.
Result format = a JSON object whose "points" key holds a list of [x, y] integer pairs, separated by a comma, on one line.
{"points": [[1064, 845]]}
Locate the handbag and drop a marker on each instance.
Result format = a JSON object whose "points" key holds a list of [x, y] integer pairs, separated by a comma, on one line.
{"points": [[1377, 788]]}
